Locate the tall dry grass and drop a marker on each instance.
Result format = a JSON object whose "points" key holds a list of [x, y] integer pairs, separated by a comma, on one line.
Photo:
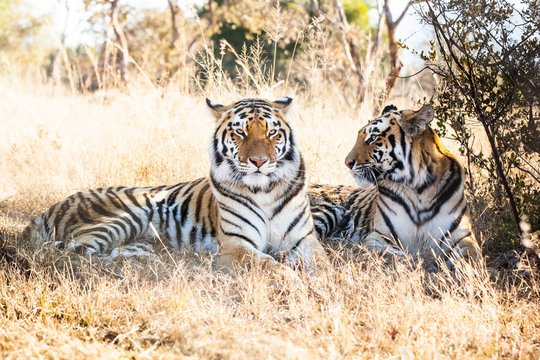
{"points": [[54, 142]]}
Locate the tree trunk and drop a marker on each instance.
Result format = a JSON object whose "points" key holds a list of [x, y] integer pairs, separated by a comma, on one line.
{"points": [[393, 48], [174, 29], [54, 72], [123, 56], [352, 52], [498, 166]]}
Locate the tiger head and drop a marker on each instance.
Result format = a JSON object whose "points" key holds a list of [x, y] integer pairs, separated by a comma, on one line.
{"points": [[386, 146], [253, 144]]}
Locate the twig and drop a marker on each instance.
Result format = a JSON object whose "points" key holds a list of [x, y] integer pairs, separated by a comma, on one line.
{"points": [[162, 243]]}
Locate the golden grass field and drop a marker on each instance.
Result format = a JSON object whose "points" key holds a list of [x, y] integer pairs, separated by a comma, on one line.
{"points": [[53, 306]]}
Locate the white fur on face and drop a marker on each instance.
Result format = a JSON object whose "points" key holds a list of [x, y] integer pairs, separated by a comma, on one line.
{"points": [[226, 166]]}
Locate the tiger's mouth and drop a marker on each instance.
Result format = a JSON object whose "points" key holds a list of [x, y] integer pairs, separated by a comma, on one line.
{"points": [[366, 174], [246, 169]]}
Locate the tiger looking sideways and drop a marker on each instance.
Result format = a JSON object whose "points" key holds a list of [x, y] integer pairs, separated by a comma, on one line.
{"points": [[410, 196], [253, 207]]}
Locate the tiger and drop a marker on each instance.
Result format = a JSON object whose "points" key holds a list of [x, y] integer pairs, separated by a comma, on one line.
{"points": [[252, 209], [410, 195]]}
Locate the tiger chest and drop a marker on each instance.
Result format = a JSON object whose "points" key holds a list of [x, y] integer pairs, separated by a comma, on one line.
{"points": [[283, 224], [414, 229]]}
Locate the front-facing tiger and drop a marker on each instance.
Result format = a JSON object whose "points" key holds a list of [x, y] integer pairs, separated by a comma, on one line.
{"points": [[410, 196], [254, 206]]}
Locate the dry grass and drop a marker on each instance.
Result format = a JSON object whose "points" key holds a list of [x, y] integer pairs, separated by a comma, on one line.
{"points": [[54, 143]]}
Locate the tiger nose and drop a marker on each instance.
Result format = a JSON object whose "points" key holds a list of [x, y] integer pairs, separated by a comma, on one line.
{"points": [[258, 161], [349, 163]]}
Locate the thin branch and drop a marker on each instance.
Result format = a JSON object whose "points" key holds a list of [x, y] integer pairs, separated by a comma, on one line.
{"points": [[396, 23], [524, 170], [416, 73]]}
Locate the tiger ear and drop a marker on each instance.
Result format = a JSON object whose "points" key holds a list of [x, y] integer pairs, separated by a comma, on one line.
{"points": [[283, 104], [388, 108], [217, 109], [415, 122]]}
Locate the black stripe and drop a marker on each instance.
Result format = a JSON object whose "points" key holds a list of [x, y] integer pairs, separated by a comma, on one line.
{"points": [[388, 224], [185, 209], [211, 202], [149, 207], [300, 241], [101, 210], [329, 221], [360, 211], [101, 229], [223, 135], [320, 217], [450, 188], [85, 216], [160, 207], [387, 206], [60, 216], [457, 220], [297, 184], [177, 226], [171, 199], [199, 201], [121, 224], [98, 197], [217, 156], [125, 207], [102, 243], [320, 233], [230, 222], [352, 197], [131, 217], [129, 194], [458, 204], [247, 202], [296, 220], [367, 217], [235, 214], [429, 181], [392, 195], [193, 236], [193, 184], [240, 236], [168, 216]]}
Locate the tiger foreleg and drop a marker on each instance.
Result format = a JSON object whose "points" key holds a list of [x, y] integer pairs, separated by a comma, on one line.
{"points": [[140, 249], [89, 243], [235, 254], [467, 248], [378, 243], [309, 254]]}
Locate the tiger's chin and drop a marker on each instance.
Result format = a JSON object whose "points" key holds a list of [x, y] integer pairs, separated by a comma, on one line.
{"points": [[257, 180], [364, 181]]}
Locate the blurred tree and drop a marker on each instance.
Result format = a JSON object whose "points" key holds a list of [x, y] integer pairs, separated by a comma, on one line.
{"points": [[488, 54], [19, 31], [350, 18], [242, 23], [393, 50], [357, 12], [53, 71], [110, 16], [162, 43]]}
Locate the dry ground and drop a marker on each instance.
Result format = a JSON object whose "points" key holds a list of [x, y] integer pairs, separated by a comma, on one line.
{"points": [[53, 306]]}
